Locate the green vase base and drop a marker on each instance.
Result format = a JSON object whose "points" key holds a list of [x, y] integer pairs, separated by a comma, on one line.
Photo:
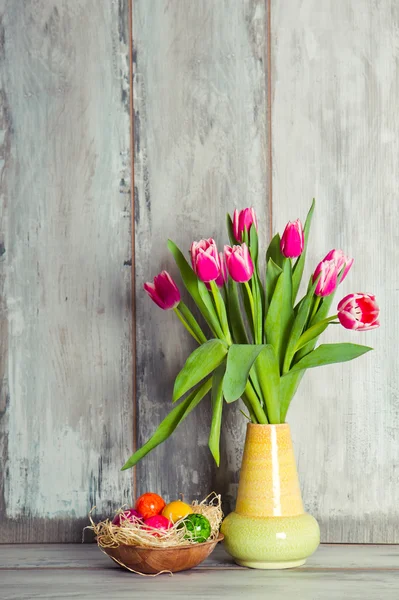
{"points": [[253, 564]]}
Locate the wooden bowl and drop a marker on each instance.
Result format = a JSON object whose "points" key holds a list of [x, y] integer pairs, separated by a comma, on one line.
{"points": [[154, 560]]}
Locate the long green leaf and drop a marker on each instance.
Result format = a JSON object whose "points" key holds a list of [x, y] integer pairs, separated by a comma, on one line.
{"points": [[199, 364], [297, 271], [240, 359], [169, 424], [327, 354], [268, 373], [273, 272], [247, 307], [280, 313], [234, 314], [274, 251], [217, 408], [221, 311], [288, 387], [312, 334], [297, 327], [230, 230]]}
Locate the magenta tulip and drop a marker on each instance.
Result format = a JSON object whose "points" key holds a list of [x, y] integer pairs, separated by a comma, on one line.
{"points": [[359, 312], [205, 260], [243, 220], [163, 291], [328, 271], [222, 277], [239, 263], [292, 240], [342, 261]]}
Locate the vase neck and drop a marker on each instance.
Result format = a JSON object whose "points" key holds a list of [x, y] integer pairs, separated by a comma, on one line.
{"points": [[269, 485]]}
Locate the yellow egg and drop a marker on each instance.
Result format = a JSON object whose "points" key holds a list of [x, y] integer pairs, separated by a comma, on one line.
{"points": [[176, 510]]}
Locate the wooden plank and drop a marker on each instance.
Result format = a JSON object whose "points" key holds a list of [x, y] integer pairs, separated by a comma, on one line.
{"points": [[78, 556], [66, 373], [211, 583], [335, 129], [200, 151]]}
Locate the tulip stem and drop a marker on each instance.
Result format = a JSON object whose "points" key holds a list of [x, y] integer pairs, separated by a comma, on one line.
{"points": [[192, 322], [314, 332], [255, 404], [186, 325], [315, 308], [252, 305], [221, 311]]}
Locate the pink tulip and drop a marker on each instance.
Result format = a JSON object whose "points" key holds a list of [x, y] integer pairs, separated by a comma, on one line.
{"points": [[239, 263], [342, 261], [163, 291], [242, 220], [359, 312], [205, 260], [222, 277], [292, 240], [328, 271]]}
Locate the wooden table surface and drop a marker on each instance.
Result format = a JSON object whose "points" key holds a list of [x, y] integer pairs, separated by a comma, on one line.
{"points": [[339, 572]]}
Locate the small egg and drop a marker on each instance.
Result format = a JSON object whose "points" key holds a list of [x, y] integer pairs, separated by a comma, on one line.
{"points": [[174, 511], [127, 515]]}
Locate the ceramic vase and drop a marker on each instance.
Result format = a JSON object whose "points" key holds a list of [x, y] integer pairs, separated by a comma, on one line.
{"points": [[269, 528]]}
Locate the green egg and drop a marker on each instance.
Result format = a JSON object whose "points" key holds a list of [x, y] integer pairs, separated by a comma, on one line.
{"points": [[198, 528]]}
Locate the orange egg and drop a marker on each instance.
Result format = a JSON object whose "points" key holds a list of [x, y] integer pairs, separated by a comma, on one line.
{"points": [[149, 505]]}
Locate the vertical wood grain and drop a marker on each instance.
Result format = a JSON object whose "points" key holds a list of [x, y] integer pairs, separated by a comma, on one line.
{"points": [[200, 151], [335, 91], [65, 334]]}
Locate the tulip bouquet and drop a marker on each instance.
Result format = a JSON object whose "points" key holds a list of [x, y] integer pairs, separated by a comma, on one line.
{"points": [[259, 340]]}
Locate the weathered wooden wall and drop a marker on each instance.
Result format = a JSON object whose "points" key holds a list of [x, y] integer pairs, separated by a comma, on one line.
{"points": [[219, 122], [200, 150], [335, 92], [66, 323]]}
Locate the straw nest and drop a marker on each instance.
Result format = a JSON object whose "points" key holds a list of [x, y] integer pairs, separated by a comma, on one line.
{"points": [[137, 534]]}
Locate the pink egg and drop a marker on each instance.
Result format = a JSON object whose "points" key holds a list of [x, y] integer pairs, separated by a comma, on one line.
{"points": [[128, 515], [158, 522]]}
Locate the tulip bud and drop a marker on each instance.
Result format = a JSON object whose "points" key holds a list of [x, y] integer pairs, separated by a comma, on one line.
{"points": [[359, 312], [163, 291], [243, 220], [205, 260], [292, 240], [342, 261], [328, 271], [239, 263]]}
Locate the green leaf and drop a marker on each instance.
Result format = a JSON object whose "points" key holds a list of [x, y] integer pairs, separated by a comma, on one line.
{"points": [[247, 307], [288, 387], [192, 322], [230, 231], [217, 408], [300, 263], [199, 364], [312, 334], [240, 359], [268, 373], [234, 313], [280, 314], [213, 318], [221, 311], [272, 274], [169, 424], [327, 354], [274, 251], [298, 326], [253, 244]]}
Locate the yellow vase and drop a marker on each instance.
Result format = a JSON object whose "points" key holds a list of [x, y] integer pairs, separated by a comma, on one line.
{"points": [[269, 528]]}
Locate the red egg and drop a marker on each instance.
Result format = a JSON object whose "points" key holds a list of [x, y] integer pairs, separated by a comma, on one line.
{"points": [[127, 515], [158, 522]]}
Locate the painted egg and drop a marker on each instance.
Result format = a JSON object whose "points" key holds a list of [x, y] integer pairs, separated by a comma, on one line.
{"points": [[174, 511], [127, 515], [198, 528], [158, 522], [150, 504]]}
